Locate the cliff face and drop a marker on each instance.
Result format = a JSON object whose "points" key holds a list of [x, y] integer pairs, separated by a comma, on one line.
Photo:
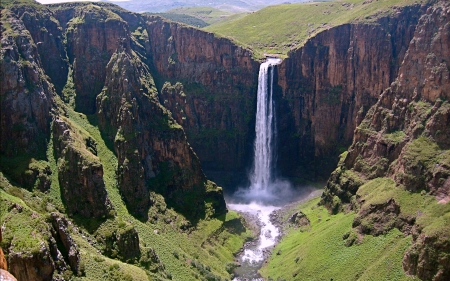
{"points": [[151, 147], [145, 146], [80, 172], [219, 81], [102, 76], [26, 102], [48, 38], [404, 137], [328, 85], [92, 37]]}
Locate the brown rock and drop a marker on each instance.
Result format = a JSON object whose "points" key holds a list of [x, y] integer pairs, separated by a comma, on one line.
{"points": [[377, 219], [3, 263], [47, 34], [403, 137], [26, 95], [92, 37], [80, 173], [151, 147], [299, 219], [428, 258], [37, 266], [219, 82], [61, 233], [329, 84]]}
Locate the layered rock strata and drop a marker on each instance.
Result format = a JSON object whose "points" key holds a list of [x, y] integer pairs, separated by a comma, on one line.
{"points": [[404, 137], [329, 84]]}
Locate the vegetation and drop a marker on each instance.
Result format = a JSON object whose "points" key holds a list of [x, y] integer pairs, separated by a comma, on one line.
{"points": [[322, 254], [434, 217], [282, 28], [331, 249], [200, 16], [186, 19], [171, 248]]}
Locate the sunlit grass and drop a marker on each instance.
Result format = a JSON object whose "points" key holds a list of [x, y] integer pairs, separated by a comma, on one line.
{"points": [[281, 28]]}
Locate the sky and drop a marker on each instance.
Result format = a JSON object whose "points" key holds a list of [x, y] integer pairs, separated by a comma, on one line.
{"points": [[62, 1]]}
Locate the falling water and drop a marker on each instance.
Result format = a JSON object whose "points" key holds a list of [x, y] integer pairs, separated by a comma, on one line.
{"points": [[264, 190], [265, 128]]}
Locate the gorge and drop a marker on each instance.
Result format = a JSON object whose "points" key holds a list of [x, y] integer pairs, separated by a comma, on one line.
{"points": [[116, 127]]}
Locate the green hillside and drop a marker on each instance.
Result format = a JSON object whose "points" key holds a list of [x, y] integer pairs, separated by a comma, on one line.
{"points": [[279, 29], [206, 14], [331, 249], [168, 251]]}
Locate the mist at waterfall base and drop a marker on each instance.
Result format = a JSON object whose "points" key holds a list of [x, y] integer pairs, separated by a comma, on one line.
{"points": [[266, 193]]}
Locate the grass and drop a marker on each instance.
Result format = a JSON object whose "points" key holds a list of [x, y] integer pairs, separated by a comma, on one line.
{"points": [[434, 218], [279, 29], [207, 15], [395, 137], [9, 3], [321, 254], [184, 252], [24, 228]]}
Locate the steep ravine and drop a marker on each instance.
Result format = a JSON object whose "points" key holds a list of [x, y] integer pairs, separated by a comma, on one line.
{"points": [[325, 89], [149, 89], [328, 85], [400, 154]]}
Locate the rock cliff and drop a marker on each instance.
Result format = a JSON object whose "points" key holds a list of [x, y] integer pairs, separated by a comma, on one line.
{"points": [[80, 172], [404, 137], [329, 84], [80, 58], [149, 86], [219, 82], [26, 103], [91, 32], [152, 150]]}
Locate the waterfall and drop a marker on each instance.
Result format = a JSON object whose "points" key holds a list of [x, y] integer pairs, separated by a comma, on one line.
{"points": [[265, 129], [265, 191]]}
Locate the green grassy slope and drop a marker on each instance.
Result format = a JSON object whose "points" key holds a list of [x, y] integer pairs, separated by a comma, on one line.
{"points": [[321, 254], [201, 252], [320, 251], [279, 29], [207, 14]]}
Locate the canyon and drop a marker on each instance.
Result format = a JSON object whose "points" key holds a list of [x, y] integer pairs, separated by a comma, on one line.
{"points": [[115, 118]]}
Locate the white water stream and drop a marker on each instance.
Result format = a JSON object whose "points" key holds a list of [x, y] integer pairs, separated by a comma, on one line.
{"points": [[261, 197], [265, 128]]}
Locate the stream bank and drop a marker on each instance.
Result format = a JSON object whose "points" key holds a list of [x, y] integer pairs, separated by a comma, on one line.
{"points": [[268, 224]]}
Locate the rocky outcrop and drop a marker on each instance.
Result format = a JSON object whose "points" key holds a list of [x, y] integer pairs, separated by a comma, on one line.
{"points": [[37, 266], [404, 136], [151, 261], [299, 219], [26, 95], [122, 243], [28, 259], [61, 232], [92, 37], [80, 172], [397, 137], [151, 147], [428, 258], [47, 34], [329, 84], [26, 102], [3, 263]]}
